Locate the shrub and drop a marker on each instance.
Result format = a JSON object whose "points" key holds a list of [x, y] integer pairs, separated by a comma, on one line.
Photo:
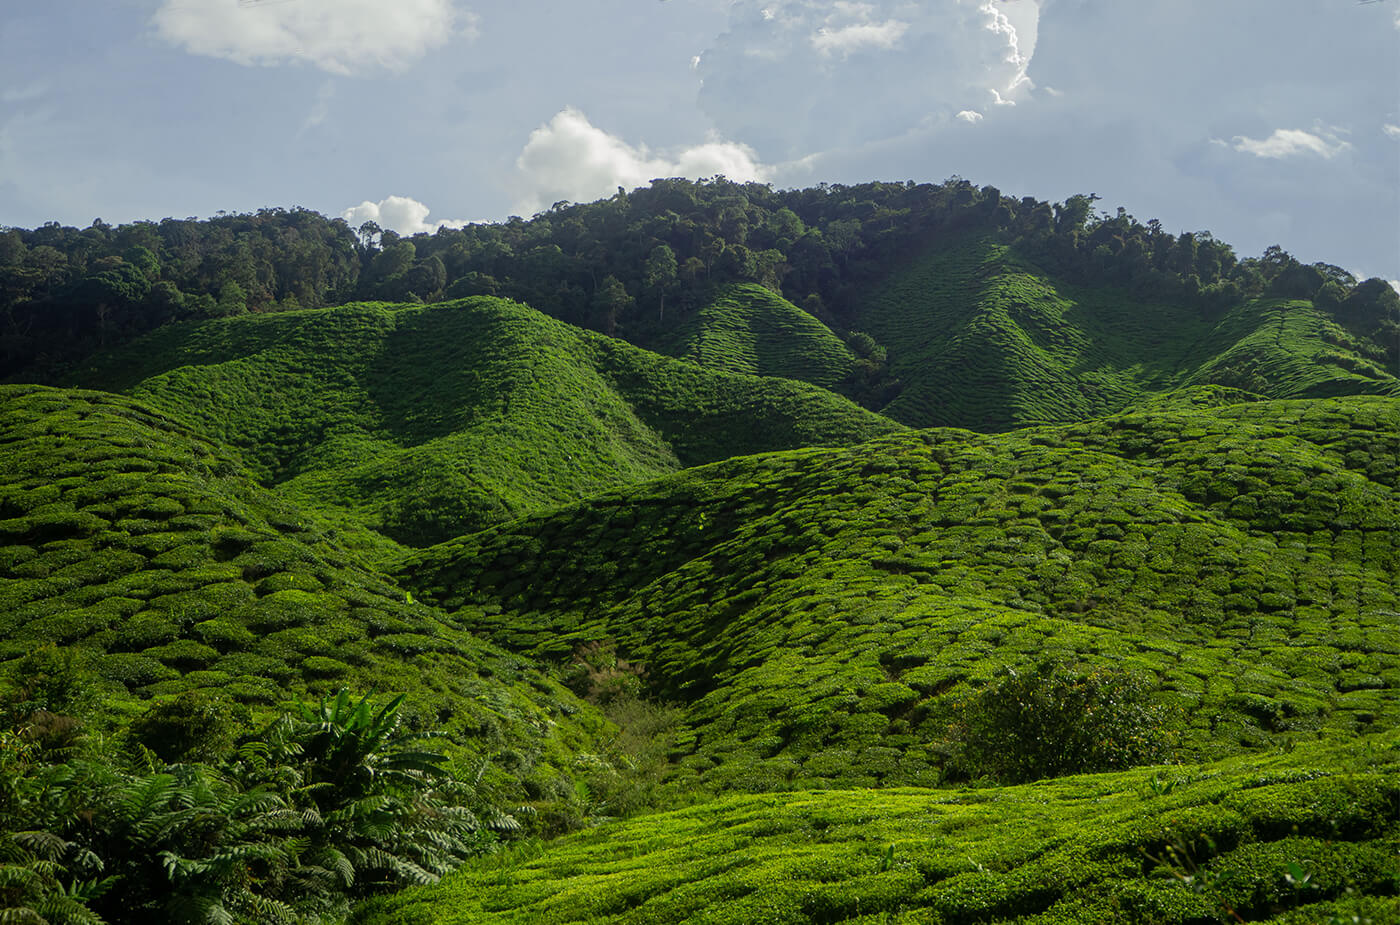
{"points": [[599, 675], [1054, 720], [195, 726]]}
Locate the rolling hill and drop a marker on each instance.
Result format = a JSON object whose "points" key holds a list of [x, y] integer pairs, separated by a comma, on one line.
{"points": [[153, 555], [981, 337], [749, 329], [703, 590], [819, 611], [424, 423]]}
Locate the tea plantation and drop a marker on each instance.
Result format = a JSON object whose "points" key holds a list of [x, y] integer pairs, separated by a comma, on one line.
{"points": [[1306, 837], [824, 612], [981, 338], [429, 422], [151, 554], [1088, 612]]}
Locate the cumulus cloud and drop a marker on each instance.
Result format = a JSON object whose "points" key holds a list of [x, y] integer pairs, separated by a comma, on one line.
{"points": [[1288, 142], [797, 77], [397, 213], [1391, 131], [339, 36], [970, 115], [569, 158]]}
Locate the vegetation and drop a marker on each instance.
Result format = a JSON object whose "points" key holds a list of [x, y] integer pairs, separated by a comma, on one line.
{"points": [[322, 807], [822, 611], [1309, 836], [327, 569], [426, 423]]}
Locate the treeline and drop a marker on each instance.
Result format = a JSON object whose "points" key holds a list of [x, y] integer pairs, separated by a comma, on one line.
{"points": [[631, 265]]}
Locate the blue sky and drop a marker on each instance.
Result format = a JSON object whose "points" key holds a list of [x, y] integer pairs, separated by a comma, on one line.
{"points": [[1264, 121]]}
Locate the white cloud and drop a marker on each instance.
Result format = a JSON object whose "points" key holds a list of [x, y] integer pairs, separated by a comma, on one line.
{"points": [[398, 213], [970, 115], [339, 36], [569, 158], [1391, 131], [827, 75], [999, 24], [844, 40], [1289, 142]]}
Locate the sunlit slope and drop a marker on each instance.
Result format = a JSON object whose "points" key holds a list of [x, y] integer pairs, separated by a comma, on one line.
{"points": [[429, 422], [817, 610], [982, 339], [152, 554], [750, 329], [1097, 848]]}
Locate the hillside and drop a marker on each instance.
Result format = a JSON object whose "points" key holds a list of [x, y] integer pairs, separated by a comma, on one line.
{"points": [[980, 337], [424, 423], [820, 612], [749, 329], [1300, 838], [154, 556]]}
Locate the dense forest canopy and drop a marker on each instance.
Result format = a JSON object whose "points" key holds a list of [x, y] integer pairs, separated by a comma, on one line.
{"points": [[633, 265]]}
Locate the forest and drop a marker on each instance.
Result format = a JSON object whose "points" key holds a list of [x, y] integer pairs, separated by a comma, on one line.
{"points": [[708, 553]]}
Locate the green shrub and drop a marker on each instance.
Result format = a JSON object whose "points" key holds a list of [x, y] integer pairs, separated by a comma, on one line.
{"points": [[1054, 720], [195, 726]]}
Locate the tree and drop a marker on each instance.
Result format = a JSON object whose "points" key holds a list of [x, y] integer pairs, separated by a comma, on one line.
{"points": [[609, 301], [659, 275]]}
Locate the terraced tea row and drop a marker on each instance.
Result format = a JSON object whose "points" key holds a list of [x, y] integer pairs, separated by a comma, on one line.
{"points": [[1305, 837], [151, 553], [428, 422], [822, 612]]}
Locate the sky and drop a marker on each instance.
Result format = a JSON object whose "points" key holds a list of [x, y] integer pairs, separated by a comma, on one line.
{"points": [[1262, 121]]}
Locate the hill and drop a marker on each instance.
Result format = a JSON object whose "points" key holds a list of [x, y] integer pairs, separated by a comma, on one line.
{"points": [[427, 422], [749, 329], [153, 555], [822, 613], [1091, 613], [983, 338]]}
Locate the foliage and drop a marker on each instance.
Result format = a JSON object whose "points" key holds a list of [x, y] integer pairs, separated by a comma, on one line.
{"points": [[817, 611], [1185, 486], [423, 424], [1052, 720], [328, 804]]}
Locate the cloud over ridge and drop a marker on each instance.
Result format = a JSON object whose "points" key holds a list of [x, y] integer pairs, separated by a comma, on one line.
{"points": [[403, 214], [569, 158]]}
